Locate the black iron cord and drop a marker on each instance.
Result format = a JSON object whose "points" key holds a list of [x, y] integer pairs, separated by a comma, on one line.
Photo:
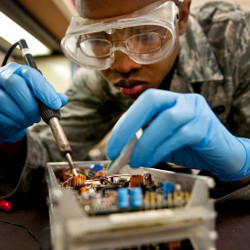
{"points": [[26, 228], [9, 53]]}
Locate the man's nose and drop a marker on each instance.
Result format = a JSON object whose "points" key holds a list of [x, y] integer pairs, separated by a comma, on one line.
{"points": [[122, 62]]}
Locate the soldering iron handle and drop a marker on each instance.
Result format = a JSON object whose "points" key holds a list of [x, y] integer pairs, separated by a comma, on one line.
{"points": [[45, 112]]}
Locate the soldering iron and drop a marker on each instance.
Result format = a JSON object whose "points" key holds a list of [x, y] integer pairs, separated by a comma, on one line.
{"points": [[51, 117]]}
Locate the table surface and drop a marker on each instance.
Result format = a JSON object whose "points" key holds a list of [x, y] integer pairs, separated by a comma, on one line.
{"points": [[232, 225]]}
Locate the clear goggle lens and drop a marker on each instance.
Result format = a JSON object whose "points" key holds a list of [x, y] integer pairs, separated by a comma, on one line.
{"points": [[148, 43], [136, 44]]}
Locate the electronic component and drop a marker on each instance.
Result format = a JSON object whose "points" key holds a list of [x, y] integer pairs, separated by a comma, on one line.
{"points": [[115, 193], [136, 209]]}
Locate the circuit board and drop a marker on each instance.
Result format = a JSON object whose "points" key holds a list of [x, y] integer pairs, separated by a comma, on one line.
{"points": [[99, 194], [135, 209]]}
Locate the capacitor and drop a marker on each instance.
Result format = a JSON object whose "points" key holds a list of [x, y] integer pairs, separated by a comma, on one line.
{"points": [[147, 179], [94, 168], [5, 205], [136, 197], [167, 187], [123, 198]]}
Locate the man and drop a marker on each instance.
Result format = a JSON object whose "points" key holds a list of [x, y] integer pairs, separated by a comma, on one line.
{"points": [[140, 50]]}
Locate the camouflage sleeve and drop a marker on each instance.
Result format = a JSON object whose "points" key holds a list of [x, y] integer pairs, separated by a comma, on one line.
{"points": [[239, 45], [227, 28]]}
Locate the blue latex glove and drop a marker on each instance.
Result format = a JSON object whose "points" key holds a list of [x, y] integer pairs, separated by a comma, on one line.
{"points": [[183, 130], [19, 85]]}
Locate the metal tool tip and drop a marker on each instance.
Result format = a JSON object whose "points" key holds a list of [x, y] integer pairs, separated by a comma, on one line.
{"points": [[71, 164], [74, 172]]}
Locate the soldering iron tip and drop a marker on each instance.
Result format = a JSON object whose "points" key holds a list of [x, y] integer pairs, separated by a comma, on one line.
{"points": [[74, 172], [71, 164]]}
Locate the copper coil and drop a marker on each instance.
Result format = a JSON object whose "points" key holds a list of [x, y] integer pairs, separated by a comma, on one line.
{"points": [[79, 180]]}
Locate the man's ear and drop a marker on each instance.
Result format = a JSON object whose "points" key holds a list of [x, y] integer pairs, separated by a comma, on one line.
{"points": [[183, 16]]}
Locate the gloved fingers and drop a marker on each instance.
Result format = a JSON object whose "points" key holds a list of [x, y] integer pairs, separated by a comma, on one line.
{"points": [[39, 86], [20, 93], [208, 146], [63, 98], [164, 125], [145, 108], [200, 134], [215, 157], [190, 130], [7, 122], [10, 109], [42, 89], [180, 138], [9, 69], [187, 157]]}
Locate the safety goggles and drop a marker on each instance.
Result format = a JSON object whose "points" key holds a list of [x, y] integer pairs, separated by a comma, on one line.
{"points": [[147, 36]]}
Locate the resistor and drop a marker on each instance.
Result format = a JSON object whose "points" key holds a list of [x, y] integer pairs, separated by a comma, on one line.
{"points": [[177, 187], [152, 200], [146, 200], [187, 196], [170, 200], [159, 199], [182, 199], [178, 201]]}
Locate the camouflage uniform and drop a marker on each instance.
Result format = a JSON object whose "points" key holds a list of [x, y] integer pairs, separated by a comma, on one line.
{"points": [[213, 61]]}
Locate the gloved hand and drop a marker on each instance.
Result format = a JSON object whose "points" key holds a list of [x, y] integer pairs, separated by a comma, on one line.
{"points": [[19, 86], [182, 129]]}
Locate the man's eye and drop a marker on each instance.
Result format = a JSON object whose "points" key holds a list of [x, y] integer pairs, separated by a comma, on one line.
{"points": [[96, 42], [146, 38], [143, 39]]}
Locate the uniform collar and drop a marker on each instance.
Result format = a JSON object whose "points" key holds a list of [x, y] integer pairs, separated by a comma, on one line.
{"points": [[197, 62]]}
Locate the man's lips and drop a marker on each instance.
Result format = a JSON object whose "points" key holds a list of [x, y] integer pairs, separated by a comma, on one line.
{"points": [[130, 88]]}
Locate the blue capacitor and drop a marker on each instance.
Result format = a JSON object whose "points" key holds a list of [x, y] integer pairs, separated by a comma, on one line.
{"points": [[96, 167], [123, 198], [136, 197], [167, 187]]}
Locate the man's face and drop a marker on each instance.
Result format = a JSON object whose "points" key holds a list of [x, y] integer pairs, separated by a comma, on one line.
{"points": [[129, 77]]}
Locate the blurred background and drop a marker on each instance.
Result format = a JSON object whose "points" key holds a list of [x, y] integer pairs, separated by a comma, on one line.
{"points": [[43, 23]]}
